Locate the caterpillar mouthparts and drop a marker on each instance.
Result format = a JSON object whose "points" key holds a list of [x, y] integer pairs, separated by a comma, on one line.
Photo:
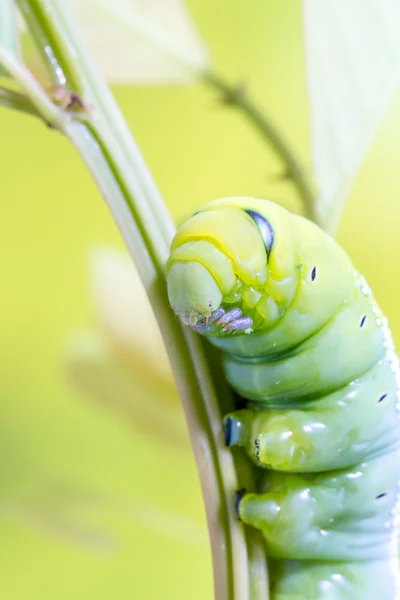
{"points": [[219, 320]]}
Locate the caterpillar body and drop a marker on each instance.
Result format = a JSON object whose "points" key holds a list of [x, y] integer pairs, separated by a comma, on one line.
{"points": [[305, 344]]}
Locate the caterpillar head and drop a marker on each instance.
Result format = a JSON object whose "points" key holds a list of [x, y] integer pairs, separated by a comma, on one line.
{"points": [[218, 269]]}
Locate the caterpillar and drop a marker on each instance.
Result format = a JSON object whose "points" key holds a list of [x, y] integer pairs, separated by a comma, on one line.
{"points": [[304, 343]]}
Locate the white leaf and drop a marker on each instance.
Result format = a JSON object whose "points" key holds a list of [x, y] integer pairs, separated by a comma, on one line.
{"points": [[124, 310], [9, 37], [353, 65], [146, 41], [131, 387]]}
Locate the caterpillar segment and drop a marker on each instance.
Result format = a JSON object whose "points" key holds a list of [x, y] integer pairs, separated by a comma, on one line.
{"points": [[305, 344]]}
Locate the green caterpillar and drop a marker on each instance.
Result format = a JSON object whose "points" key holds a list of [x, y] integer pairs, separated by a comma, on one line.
{"points": [[304, 343]]}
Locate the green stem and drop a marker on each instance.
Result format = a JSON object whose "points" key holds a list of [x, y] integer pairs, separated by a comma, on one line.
{"points": [[11, 99], [9, 37], [34, 91], [237, 97], [112, 156]]}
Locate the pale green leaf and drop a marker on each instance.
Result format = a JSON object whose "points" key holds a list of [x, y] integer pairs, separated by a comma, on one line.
{"points": [[9, 36], [142, 41], [128, 386], [353, 67], [124, 312]]}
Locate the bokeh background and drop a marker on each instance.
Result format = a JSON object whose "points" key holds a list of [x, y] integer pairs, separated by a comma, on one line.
{"points": [[95, 502]]}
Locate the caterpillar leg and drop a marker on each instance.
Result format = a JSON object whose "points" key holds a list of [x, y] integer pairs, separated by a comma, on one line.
{"points": [[310, 580], [287, 517], [339, 515], [321, 435]]}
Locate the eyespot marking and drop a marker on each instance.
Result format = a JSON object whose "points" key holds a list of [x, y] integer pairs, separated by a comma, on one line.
{"points": [[381, 495], [382, 397], [267, 233], [314, 274], [362, 322]]}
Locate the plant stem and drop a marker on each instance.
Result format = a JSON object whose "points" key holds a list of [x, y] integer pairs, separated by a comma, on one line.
{"points": [[237, 97], [11, 99], [33, 90], [107, 147], [8, 29]]}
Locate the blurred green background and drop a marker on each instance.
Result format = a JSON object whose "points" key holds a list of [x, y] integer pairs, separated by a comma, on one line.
{"points": [[91, 506]]}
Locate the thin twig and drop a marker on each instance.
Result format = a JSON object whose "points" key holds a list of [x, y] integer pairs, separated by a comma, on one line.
{"points": [[17, 101], [237, 97], [38, 96]]}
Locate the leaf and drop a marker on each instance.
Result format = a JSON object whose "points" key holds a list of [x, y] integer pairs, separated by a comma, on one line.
{"points": [[124, 312], [86, 517], [146, 41], [353, 68], [9, 37], [131, 389], [141, 41]]}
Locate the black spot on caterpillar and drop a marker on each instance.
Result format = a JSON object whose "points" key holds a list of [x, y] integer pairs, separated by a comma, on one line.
{"points": [[313, 273], [314, 422]]}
